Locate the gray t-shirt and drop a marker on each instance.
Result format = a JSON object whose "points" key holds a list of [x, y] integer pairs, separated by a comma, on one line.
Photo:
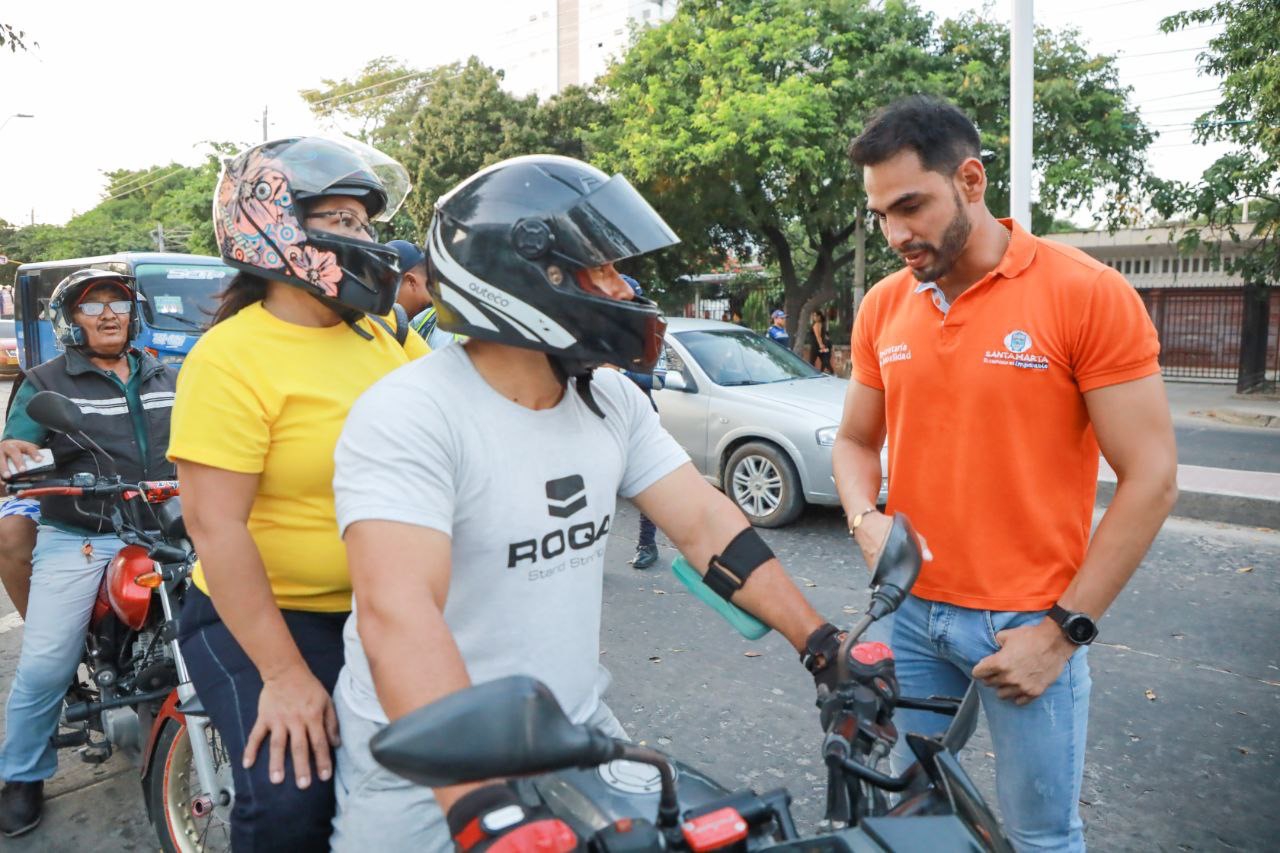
{"points": [[527, 498]]}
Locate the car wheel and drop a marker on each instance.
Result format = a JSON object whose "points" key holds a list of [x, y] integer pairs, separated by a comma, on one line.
{"points": [[761, 479]]}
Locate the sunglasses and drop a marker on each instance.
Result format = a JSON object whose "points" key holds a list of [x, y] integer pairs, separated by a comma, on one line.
{"points": [[93, 309]]}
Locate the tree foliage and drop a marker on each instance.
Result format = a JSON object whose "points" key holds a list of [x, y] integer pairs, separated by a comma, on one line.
{"points": [[1246, 55], [13, 39], [134, 202], [735, 117]]}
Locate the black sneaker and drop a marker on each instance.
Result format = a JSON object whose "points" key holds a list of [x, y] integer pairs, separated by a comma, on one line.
{"points": [[20, 804], [646, 556]]}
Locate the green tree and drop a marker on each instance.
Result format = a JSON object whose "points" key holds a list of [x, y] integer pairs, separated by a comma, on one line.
{"points": [[1246, 55], [134, 203], [378, 104], [735, 118], [466, 122]]}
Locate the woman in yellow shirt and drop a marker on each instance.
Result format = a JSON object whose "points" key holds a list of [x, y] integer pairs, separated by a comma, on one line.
{"points": [[260, 403]]}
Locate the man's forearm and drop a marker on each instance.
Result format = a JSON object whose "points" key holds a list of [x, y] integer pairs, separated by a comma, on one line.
{"points": [[1126, 531], [857, 473], [769, 594]]}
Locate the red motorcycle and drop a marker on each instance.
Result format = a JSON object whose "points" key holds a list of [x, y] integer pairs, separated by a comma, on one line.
{"points": [[137, 697]]}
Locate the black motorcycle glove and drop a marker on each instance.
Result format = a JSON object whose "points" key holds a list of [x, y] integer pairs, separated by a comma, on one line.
{"points": [[493, 819], [820, 652]]}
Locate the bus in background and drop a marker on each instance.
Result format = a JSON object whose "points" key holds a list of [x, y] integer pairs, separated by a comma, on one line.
{"points": [[177, 298]]}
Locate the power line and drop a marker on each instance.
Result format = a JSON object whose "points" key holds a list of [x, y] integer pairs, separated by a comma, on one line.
{"points": [[1181, 95], [168, 174], [315, 104], [1158, 33], [138, 177], [1101, 6], [1161, 52], [553, 34]]}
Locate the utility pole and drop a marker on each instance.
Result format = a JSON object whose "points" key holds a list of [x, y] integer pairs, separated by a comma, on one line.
{"points": [[264, 124], [1021, 93], [158, 236]]}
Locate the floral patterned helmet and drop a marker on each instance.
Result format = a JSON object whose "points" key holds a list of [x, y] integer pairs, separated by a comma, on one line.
{"points": [[259, 207]]}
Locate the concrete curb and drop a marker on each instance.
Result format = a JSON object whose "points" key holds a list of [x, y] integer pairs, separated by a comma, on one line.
{"points": [[1240, 418], [1249, 510]]}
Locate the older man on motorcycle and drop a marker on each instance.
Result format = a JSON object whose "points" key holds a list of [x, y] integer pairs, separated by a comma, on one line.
{"points": [[126, 396]]}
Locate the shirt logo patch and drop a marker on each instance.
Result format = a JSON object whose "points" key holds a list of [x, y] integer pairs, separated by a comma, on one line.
{"points": [[1016, 353], [1017, 341], [897, 352]]}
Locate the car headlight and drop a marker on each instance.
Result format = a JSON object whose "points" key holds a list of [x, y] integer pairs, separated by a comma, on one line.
{"points": [[826, 436]]}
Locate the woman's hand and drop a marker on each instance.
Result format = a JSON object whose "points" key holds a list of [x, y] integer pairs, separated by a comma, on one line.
{"points": [[295, 711]]}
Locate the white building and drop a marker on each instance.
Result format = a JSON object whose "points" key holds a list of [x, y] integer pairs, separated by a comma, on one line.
{"points": [[1149, 257], [546, 45]]}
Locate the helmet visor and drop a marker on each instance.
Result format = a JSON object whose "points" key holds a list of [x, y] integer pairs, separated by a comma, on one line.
{"points": [[317, 163], [612, 223]]}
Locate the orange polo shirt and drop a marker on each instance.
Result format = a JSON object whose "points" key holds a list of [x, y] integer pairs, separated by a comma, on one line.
{"points": [[991, 452]]}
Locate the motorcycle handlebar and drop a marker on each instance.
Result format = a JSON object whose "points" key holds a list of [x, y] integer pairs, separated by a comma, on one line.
{"points": [[151, 491]]}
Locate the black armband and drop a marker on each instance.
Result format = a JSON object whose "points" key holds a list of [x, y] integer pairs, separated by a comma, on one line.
{"points": [[728, 571]]}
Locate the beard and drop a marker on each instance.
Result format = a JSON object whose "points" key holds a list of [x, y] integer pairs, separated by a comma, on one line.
{"points": [[944, 254]]}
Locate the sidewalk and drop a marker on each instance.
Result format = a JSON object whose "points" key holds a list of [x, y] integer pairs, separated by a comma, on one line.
{"points": [[1194, 401], [1218, 494]]}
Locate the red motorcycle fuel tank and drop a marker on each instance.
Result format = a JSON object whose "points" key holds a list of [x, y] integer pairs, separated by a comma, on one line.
{"points": [[130, 601]]}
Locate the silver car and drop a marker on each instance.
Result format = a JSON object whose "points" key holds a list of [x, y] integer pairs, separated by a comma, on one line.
{"points": [[757, 421]]}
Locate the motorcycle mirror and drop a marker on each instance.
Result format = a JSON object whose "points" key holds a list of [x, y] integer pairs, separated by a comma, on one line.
{"points": [[509, 727], [53, 410], [897, 568]]}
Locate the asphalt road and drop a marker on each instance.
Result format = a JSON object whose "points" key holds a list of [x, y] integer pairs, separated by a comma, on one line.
{"points": [[1221, 446], [1191, 765]]}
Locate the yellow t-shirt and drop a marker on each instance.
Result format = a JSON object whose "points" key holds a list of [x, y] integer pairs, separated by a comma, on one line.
{"points": [[258, 395]]}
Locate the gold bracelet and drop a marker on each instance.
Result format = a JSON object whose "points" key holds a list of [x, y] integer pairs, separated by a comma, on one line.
{"points": [[856, 521]]}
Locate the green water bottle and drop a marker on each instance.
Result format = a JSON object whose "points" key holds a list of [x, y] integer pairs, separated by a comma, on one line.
{"points": [[745, 624]]}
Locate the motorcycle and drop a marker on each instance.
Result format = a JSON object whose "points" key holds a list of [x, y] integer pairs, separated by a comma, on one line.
{"points": [[617, 797], [137, 697]]}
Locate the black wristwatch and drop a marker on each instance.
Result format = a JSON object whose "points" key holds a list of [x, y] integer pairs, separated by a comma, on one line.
{"points": [[1079, 628]]}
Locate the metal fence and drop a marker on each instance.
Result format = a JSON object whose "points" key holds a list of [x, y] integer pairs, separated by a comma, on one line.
{"points": [[1202, 332]]}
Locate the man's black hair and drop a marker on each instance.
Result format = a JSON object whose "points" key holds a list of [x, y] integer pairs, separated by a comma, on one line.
{"points": [[937, 131]]}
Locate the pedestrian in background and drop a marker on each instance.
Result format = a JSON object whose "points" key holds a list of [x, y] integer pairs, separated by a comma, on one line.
{"points": [[412, 295], [417, 301], [819, 343], [647, 542], [778, 329], [998, 364]]}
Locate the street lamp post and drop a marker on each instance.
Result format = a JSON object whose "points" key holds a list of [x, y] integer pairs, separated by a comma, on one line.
{"points": [[12, 117]]}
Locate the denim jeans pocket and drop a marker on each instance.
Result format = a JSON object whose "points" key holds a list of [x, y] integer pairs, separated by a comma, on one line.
{"points": [[1002, 620]]}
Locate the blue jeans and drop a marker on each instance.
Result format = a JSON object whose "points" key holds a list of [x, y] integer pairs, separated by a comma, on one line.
{"points": [[266, 816], [1039, 746], [64, 585]]}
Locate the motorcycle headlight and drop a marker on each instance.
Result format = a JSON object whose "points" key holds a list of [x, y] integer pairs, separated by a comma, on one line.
{"points": [[826, 436]]}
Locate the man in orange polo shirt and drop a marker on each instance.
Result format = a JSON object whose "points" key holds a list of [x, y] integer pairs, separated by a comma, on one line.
{"points": [[998, 364]]}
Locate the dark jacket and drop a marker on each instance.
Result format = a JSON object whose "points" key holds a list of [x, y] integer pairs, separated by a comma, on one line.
{"points": [[109, 422]]}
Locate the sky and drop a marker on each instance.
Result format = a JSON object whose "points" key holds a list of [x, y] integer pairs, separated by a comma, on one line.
{"points": [[138, 83]]}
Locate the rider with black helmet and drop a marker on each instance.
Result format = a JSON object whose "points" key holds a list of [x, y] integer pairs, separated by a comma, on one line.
{"points": [[476, 488], [261, 400], [126, 397]]}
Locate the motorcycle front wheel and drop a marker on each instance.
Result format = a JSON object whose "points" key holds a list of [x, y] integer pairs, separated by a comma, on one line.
{"points": [[185, 817]]}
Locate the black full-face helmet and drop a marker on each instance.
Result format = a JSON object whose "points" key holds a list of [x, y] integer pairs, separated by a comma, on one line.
{"points": [[506, 249], [259, 215], [71, 291]]}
